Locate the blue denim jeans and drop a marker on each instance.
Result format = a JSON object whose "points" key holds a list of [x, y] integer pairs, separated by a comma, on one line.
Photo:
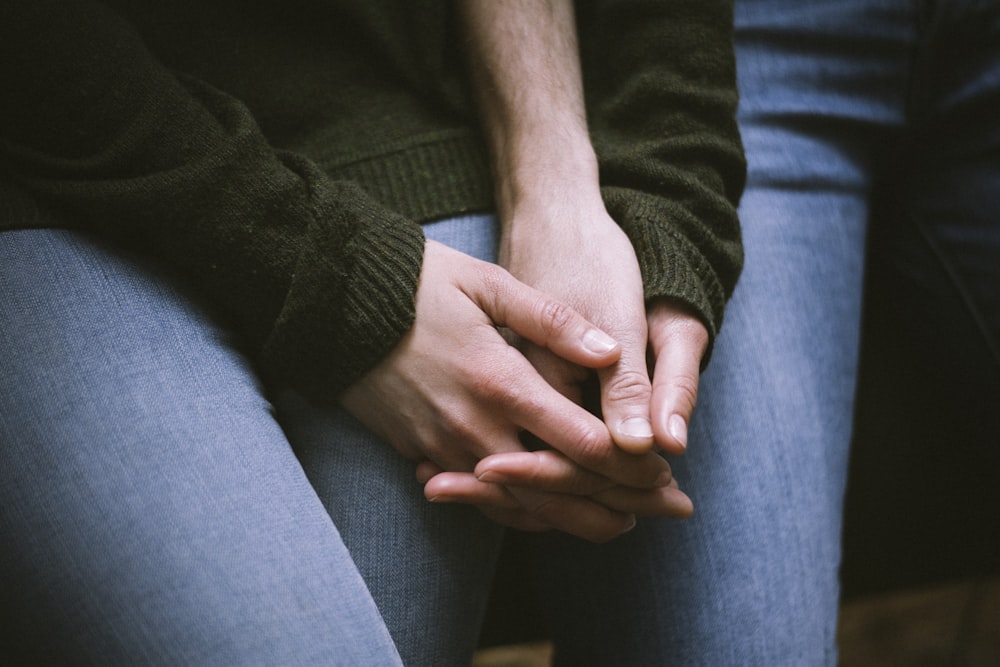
{"points": [[158, 506], [841, 101]]}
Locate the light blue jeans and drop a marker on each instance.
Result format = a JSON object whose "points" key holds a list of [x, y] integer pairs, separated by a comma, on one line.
{"points": [[839, 99], [158, 506]]}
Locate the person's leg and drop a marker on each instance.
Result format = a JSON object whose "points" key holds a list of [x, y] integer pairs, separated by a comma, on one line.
{"points": [[751, 578], [151, 509], [930, 381], [949, 181], [428, 567]]}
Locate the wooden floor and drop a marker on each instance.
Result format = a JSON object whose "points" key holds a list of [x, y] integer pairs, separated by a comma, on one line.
{"points": [[955, 625]]}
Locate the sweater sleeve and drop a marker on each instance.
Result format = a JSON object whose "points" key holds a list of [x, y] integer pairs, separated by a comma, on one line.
{"points": [[661, 100], [318, 276]]}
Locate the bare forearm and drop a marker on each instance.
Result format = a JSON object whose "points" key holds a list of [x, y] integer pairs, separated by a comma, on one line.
{"points": [[558, 237], [525, 69]]}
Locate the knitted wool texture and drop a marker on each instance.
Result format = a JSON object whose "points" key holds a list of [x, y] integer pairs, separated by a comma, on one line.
{"points": [[280, 156]]}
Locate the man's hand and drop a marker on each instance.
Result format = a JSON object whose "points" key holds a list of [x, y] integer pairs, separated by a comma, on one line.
{"points": [[677, 342], [569, 247], [557, 237]]}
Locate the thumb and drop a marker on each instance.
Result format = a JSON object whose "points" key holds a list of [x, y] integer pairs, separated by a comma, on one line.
{"points": [[542, 319], [678, 342]]}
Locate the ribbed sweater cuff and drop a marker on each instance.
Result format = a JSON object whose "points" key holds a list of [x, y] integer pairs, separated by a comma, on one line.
{"points": [[326, 338], [673, 265]]}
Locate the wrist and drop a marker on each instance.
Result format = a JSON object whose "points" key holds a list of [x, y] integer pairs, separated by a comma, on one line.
{"points": [[546, 176]]}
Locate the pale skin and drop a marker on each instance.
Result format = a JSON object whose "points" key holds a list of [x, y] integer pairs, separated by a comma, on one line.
{"points": [[558, 237], [454, 392], [455, 395]]}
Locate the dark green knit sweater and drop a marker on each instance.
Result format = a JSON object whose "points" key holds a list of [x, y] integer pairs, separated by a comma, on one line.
{"points": [[281, 153]]}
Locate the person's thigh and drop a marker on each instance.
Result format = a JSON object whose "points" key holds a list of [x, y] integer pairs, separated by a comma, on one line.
{"points": [[428, 567], [752, 577], [151, 509], [948, 182], [930, 381]]}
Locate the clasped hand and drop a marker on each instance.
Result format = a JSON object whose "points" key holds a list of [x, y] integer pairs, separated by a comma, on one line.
{"points": [[456, 395]]}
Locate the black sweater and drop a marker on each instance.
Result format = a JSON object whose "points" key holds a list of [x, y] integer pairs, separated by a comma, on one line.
{"points": [[281, 154]]}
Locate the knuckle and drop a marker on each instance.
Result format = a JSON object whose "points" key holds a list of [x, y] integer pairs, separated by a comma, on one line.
{"points": [[488, 388], [458, 436], [695, 331], [590, 446], [555, 317], [694, 334], [686, 389], [490, 382], [496, 286], [494, 278], [456, 428], [627, 385], [683, 325], [679, 327]]}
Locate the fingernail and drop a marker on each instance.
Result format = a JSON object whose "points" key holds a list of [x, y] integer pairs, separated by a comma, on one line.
{"points": [[491, 476], [664, 479], [630, 525], [636, 427], [598, 342], [678, 429]]}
